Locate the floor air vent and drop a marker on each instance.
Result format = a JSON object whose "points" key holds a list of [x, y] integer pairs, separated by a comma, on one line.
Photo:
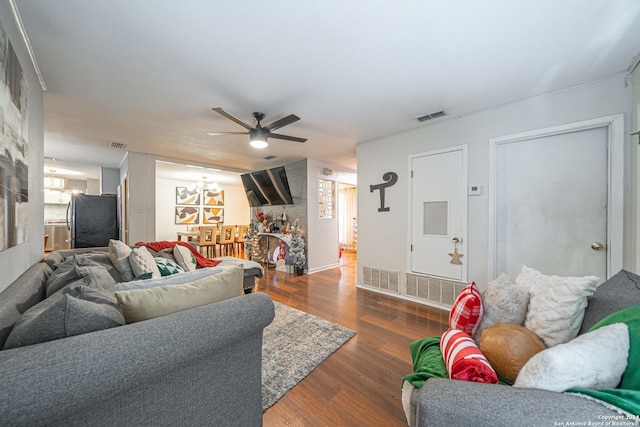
{"points": [[440, 291], [381, 279]]}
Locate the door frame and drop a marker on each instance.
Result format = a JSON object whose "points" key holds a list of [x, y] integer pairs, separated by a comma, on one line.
{"points": [[465, 225], [615, 185]]}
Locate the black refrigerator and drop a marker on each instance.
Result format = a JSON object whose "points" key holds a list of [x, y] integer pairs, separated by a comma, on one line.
{"points": [[93, 220]]}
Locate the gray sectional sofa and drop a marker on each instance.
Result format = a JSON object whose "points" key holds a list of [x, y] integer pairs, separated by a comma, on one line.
{"points": [[197, 367], [445, 402]]}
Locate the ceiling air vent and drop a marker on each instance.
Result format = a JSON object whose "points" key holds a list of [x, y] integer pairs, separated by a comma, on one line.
{"points": [[270, 157], [118, 145], [431, 116]]}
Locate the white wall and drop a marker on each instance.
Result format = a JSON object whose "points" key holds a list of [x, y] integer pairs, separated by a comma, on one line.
{"points": [[17, 259], [141, 171], [322, 235], [383, 236], [236, 207]]}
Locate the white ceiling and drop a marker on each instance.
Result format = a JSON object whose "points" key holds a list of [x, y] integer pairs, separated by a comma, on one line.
{"points": [[147, 73]]}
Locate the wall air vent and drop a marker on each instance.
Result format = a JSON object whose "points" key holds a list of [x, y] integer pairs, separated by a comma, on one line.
{"points": [[270, 157], [118, 145], [431, 116]]}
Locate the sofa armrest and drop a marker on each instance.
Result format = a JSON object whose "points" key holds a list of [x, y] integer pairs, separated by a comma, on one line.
{"points": [[444, 402], [60, 380]]}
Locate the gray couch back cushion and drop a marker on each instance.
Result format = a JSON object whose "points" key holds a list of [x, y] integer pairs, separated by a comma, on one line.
{"points": [[25, 292], [619, 292]]}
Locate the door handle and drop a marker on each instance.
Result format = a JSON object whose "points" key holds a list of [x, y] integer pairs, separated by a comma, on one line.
{"points": [[597, 246]]}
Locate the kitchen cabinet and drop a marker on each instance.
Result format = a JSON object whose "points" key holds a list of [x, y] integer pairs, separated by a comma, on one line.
{"points": [[57, 197]]}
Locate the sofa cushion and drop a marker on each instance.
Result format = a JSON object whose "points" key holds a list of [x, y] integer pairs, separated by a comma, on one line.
{"points": [[143, 262], [119, 255], [168, 267], [508, 347], [617, 293], [94, 276], [25, 292], [74, 310], [595, 360], [142, 304], [184, 258], [557, 304], [503, 301], [467, 310], [463, 358]]}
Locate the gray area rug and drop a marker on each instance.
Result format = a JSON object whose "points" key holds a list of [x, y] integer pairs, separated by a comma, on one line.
{"points": [[292, 346]]}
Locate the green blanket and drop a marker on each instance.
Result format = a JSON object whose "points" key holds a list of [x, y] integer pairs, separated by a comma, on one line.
{"points": [[427, 361]]}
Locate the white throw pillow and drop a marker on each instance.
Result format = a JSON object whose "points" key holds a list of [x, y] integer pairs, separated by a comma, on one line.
{"points": [[504, 301], [557, 304], [595, 360], [143, 262], [184, 258], [119, 255]]}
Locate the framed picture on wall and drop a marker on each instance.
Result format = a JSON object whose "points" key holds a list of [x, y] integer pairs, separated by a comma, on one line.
{"points": [[214, 197], [187, 215], [188, 196], [212, 215]]}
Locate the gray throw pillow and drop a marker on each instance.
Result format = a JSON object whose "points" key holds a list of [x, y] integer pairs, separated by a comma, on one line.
{"points": [[93, 276], [75, 310]]}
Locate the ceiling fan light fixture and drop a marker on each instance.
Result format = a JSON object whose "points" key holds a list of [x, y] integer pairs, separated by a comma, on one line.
{"points": [[258, 143], [257, 138]]}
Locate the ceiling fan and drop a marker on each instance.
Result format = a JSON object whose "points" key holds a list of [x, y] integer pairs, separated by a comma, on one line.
{"points": [[258, 135]]}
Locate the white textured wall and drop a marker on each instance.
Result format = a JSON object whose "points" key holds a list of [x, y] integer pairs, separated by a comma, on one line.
{"points": [[383, 236], [16, 260]]}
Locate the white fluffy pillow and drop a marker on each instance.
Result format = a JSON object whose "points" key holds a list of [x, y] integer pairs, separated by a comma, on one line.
{"points": [[595, 360], [184, 258], [557, 304], [504, 302], [143, 262], [119, 255]]}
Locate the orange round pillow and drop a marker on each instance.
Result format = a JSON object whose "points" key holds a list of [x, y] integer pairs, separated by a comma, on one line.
{"points": [[508, 347]]}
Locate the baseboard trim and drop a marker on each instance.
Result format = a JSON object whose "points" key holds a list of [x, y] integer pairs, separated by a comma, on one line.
{"points": [[405, 297], [324, 267]]}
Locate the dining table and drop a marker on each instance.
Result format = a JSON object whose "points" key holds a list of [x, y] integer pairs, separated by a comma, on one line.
{"points": [[188, 234]]}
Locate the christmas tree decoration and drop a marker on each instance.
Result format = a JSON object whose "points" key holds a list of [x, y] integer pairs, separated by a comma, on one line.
{"points": [[296, 249]]}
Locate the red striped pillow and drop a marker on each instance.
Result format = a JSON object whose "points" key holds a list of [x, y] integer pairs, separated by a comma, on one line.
{"points": [[463, 358], [467, 310]]}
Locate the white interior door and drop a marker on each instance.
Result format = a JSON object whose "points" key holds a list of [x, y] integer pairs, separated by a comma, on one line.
{"points": [[552, 203], [439, 212]]}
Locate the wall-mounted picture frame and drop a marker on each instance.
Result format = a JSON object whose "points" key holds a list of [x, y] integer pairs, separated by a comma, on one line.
{"points": [[213, 197], [188, 196], [212, 215], [187, 215]]}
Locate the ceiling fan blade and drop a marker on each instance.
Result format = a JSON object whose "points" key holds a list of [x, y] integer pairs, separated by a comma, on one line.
{"points": [[282, 122], [227, 133], [232, 117], [287, 137]]}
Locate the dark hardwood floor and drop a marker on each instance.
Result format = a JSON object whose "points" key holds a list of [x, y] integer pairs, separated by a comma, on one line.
{"points": [[360, 384]]}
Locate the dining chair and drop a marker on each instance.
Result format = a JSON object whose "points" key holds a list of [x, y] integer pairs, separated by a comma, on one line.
{"points": [[241, 238], [207, 240], [226, 239]]}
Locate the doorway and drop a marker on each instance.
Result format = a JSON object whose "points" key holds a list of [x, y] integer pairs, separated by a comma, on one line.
{"points": [[556, 200], [347, 222]]}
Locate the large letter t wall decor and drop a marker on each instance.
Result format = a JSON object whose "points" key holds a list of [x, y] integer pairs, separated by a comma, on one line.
{"points": [[390, 178]]}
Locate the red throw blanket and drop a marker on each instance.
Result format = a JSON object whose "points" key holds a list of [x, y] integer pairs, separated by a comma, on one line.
{"points": [[164, 244]]}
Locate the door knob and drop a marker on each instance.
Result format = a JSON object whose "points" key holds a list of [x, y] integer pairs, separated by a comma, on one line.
{"points": [[597, 246]]}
